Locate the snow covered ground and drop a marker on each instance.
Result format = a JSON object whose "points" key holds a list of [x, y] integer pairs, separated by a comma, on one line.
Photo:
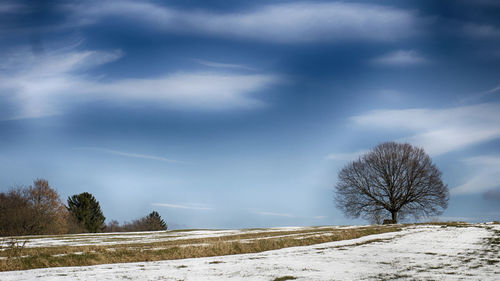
{"points": [[426, 252], [101, 239]]}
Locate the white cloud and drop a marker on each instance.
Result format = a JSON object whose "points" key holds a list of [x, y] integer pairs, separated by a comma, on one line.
{"points": [[183, 206], [222, 65], [320, 217], [346, 156], [192, 90], [485, 175], [284, 22], [49, 84], [401, 58], [439, 130], [263, 213], [132, 155]]}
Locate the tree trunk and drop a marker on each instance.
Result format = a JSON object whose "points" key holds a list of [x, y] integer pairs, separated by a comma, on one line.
{"points": [[394, 216]]}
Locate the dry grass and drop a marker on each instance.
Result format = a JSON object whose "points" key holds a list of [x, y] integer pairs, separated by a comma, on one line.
{"points": [[29, 258], [284, 278], [444, 224]]}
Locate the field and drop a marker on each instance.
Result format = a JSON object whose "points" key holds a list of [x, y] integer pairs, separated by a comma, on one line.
{"points": [[450, 251]]}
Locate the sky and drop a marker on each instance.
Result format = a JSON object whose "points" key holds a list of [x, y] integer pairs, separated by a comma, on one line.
{"points": [[236, 114]]}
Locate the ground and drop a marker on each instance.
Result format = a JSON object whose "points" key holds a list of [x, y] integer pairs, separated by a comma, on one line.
{"points": [[417, 252]]}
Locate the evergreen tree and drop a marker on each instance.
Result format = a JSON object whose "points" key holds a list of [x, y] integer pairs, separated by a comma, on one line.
{"points": [[87, 211], [155, 222]]}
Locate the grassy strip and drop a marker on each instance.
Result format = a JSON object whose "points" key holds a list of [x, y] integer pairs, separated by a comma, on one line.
{"points": [[29, 258]]}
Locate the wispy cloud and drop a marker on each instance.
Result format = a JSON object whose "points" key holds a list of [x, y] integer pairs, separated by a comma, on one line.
{"points": [[438, 130], [49, 84], [264, 213], [484, 175], [481, 31], [8, 8], [320, 217], [131, 155], [493, 90], [183, 206], [192, 90], [480, 95], [346, 156], [40, 85], [401, 58], [223, 65], [492, 195], [285, 22]]}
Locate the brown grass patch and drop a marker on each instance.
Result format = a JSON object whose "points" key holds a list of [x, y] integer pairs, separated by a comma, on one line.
{"points": [[29, 258]]}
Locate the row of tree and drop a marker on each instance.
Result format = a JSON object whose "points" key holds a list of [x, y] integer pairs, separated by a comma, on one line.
{"points": [[38, 210]]}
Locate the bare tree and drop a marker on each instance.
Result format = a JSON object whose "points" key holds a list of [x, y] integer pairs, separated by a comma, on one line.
{"points": [[36, 209], [50, 214], [393, 178]]}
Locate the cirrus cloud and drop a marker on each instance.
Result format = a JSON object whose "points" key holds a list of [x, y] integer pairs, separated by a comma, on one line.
{"points": [[284, 23], [401, 58], [485, 176], [37, 86], [438, 130]]}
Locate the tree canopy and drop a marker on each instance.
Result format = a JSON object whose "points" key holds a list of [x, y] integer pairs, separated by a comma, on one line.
{"points": [[86, 211], [392, 179]]}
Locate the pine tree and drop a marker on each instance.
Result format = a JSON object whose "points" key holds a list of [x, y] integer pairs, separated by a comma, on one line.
{"points": [[155, 222], [86, 211]]}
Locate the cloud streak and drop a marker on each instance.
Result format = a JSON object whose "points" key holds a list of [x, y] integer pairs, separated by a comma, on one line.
{"points": [[401, 58], [132, 155], [485, 175], [282, 23], [481, 31], [223, 65], [183, 206], [48, 85], [346, 156], [438, 131], [263, 213]]}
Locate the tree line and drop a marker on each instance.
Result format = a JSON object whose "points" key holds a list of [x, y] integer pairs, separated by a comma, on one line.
{"points": [[38, 210]]}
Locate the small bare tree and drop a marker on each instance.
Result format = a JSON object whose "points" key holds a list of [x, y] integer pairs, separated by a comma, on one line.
{"points": [[398, 179]]}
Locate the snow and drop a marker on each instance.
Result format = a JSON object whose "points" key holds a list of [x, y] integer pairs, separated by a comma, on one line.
{"points": [[417, 252], [146, 237]]}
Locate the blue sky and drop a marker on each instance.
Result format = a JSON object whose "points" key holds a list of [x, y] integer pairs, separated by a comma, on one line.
{"points": [[223, 114]]}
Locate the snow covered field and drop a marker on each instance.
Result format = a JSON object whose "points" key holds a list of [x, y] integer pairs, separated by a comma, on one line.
{"points": [[425, 252], [120, 238]]}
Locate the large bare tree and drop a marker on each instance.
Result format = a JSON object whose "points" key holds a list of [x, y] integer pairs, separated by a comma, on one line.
{"points": [[392, 179]]}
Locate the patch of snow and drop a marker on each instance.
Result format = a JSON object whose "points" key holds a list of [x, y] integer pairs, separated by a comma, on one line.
{"points": [[416, 252]]}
